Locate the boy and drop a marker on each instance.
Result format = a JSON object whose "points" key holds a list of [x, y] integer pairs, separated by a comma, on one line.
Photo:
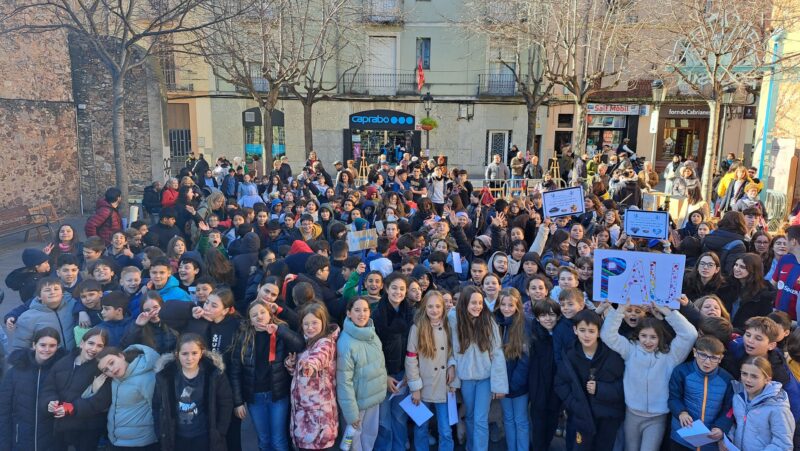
{"points": [[162, 280], [130, 280], [104, 270], [701, 390], [786, 277], [545, 405], [760, 339], [211, 239], [590, 385], [52, 308], [377, 260], [567, 278], [88, 313], [114, 305], [302, 294], [785, 323], [68, 270], [204, 286], [571, 302], [93, 249], [189, 268], [444, 280], [477, 271], [373, 284], [25, 279]]}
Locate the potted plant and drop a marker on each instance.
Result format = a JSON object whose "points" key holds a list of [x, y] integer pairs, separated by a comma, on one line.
{"points": [[428, 123]]}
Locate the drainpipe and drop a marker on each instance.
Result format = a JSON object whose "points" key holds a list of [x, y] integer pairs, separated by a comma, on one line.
{"points": [[768, 114]]}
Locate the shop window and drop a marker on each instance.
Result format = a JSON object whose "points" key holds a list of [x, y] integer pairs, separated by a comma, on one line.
{"points": [[565, 120], [424, 52]]}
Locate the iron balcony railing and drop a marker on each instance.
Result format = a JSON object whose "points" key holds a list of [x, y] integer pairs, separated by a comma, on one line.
{"points": [[388, 84], [383, 11], [497, 85]]}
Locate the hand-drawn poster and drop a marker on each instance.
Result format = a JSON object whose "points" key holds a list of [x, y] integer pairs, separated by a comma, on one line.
{"points": [[638, 277], [647, 224]]}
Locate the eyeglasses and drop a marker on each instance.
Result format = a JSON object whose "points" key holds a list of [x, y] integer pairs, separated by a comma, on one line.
{"points": [[707, 265], [708, 358]]}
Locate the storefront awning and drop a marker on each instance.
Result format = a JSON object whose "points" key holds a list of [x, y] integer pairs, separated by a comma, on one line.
{"points": [[381, 120]]}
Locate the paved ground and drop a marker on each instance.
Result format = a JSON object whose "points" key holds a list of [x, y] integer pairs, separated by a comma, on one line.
{"points": [[11, 258]]}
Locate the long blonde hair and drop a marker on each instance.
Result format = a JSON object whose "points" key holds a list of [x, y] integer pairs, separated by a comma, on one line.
{"points": [[247, 332], [426, 345], [516, 345]]}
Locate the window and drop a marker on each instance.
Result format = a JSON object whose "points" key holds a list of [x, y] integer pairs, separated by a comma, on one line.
{"points": [[564, 120], [424, 52]]}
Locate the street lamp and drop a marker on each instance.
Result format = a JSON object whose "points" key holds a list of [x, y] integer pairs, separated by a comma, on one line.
{"points": [[427, 101], [659, 94], [727, 99]]}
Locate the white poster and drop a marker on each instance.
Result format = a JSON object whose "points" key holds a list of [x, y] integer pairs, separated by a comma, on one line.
{"points": [[647, 224], [638, 277], [563, 202]]}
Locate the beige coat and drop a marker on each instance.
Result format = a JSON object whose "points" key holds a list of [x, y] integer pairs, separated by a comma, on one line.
{"points": [[428, 375]]}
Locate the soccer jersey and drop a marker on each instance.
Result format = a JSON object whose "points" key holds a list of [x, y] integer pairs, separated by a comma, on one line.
{"points": [[787, 279]]}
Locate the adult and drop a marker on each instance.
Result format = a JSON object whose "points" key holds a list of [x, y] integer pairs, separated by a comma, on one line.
{"points": [[648, 177], [534, 169], [106, 220], [671, 172], [151, 200], [728, 241], [170, 193], [735, 189], [497, 170]]}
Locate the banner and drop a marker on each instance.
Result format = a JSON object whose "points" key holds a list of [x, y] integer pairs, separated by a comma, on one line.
{"points": [[638, 277], [647, 224], [362, 240]]}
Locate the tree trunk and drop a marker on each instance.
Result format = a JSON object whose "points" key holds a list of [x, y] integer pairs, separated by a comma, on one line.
{"points": [[579, 147], [308, 136], [530, 142], [267, 139], [711, 146], [118, 138]]}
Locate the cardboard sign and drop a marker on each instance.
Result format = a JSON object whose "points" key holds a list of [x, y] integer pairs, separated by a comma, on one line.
{"points": [[647, 224], [563, 202], [362, 240], [638, 277]]}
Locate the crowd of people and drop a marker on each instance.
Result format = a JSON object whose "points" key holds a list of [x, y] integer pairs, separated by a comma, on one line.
{"points": [[239, 296]]}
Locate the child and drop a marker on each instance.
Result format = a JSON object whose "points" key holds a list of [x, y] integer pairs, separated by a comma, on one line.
{"points": [[119, 250], [52, 308], [647, 408], [148, 329], [567, 278], [88, 313], [537, 288], [114, 305], [360, 375], [258, 376], [315, 420], [93, 249], [545, 404], [429, 350], [130, 280], [515, 333], [480, 364], [571, 301], [162, 281], [477, 271], [189, 268], [192, 397], [701, 390], [269, 292], [633, 315], [204, 286], [104, 270], [760, 339], [21, 425], [24, 280], [783, 320], [68, 270], [590, 384], [761, 409], [393, 319]]}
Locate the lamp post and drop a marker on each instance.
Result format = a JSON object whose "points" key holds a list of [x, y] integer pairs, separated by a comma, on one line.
{"points": [[659, 94], [427, 101], [727, 99]]}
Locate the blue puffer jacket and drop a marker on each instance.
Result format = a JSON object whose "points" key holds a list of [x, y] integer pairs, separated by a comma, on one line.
{"points": [[703, 396], [360, 370], [763, 423], [130, 417], [172, 291], [23, 427]]}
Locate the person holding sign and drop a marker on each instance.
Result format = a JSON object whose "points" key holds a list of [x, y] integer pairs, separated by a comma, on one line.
{"points": [[649, 358]]}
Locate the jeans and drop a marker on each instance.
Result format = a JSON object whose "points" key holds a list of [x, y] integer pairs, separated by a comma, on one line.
{"points": [[393, 430], [271, 421], [443, 424], [477, 397], [517, 425]]}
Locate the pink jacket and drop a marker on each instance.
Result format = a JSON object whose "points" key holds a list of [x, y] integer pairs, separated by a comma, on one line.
{"points": [[315, 419]]}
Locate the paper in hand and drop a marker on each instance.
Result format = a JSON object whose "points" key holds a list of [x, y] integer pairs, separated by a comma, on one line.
{"points": [[419, 413]]}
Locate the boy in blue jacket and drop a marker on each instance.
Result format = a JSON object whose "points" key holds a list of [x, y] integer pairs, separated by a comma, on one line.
{"points": [[590, 383], [701, 390], [115, 305]]}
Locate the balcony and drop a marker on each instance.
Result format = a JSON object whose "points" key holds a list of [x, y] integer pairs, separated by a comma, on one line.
{"points": [[383, 11], [389, 84], [502, 85]]}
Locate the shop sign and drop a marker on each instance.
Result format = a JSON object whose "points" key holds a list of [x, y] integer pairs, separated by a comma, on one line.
{"points": [[688, 111], [613, 108], [381, 120]]}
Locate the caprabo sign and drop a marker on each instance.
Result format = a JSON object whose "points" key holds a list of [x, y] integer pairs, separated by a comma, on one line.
{"points": [[381, 120]]}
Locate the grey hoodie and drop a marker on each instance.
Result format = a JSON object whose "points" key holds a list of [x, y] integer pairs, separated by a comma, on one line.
{"points": [[764, 423], [130, 417], [39, 316]]}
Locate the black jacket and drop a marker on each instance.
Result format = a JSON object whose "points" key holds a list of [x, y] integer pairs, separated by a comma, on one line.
{"points": [[151, 199], [243, 366], [727, 245], [447, 280], [606, 368], [542, 370], [759, 305], [218, 401], [246, 259], [23, 426], [392, 327], [66, 383], [336, 305], [164, 234], [24, 281]]}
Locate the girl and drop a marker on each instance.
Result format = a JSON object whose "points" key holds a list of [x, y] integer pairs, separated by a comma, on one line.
{"points": [[498, 264], [491, 289], [651, 359], [360, 375], [130, 415], [415, 292], [66, 243], [315, 419], [759, 244], [559, 249], [537, 289], [515, 333], [148, 329], [269, 293], [259, 377], [22, 427], [778, 247], [175, 249], [706, 277], [192, 398], [748, 294], [761, 408], [429, 349], [79, 421], [545, 403], [612, 224], [711, 305], [480, 363]]}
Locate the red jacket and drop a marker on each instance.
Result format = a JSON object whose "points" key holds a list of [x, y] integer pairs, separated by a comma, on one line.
{"points": [[168, 197], [105, 222]]}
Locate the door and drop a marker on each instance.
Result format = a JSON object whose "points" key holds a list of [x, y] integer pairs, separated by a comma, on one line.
{"points": [[179, 135], [382, 64], [497, 145]]}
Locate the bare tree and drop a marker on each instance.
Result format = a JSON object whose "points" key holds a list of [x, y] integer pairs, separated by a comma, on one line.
{"points": [[718, 45], [271, 48], [124, 34]]}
